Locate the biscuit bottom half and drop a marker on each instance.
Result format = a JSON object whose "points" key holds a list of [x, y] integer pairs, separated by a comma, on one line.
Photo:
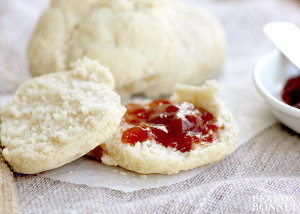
{"points": [[191, 129]]}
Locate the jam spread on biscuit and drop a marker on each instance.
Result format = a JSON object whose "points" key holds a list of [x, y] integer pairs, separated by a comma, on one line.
{"points": [[291, 92], [173, 124], [96, 153]]}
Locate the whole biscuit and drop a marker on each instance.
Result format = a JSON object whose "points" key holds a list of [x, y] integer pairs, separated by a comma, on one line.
{"points": [[152, 157], [144, 42], [131, 37], [56, 118]]}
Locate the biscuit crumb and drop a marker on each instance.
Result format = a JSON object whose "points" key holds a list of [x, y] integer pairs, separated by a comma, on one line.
{"points": [[123, 173], [143, 177]]}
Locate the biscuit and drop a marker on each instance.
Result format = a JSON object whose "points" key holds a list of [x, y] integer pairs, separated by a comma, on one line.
{"points": [[143, 42], [199, 52], [152, 157], [56, 118], [131, 37]]}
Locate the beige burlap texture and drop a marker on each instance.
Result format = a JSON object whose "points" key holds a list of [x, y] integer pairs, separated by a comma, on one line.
{"points": [[268, 164], [8, 199]]}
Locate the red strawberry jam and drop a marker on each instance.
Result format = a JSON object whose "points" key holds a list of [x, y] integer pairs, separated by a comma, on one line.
{"points": [[96, 153], [291, 92], [173, 124]]}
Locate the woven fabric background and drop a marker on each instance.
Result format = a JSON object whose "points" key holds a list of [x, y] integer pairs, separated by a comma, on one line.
{"points": [[268, 164], [8, 199]]}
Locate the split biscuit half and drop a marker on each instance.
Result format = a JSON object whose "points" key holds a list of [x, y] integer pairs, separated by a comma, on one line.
{"points": [[57, 118]]}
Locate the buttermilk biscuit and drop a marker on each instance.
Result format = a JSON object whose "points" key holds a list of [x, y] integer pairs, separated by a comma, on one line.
{"points": [[56, 118], [199, 50], [152, 157], [131, 37], [143, 42]]}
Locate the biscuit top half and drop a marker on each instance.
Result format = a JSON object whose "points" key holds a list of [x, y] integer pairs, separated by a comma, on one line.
{"points": [[57, 118]]}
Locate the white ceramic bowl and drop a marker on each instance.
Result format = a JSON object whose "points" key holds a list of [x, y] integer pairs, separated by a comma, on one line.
{"points": [[270, 75]]}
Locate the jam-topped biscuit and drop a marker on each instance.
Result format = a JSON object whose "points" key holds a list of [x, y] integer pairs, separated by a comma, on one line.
{"points": [[191, 129]]}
